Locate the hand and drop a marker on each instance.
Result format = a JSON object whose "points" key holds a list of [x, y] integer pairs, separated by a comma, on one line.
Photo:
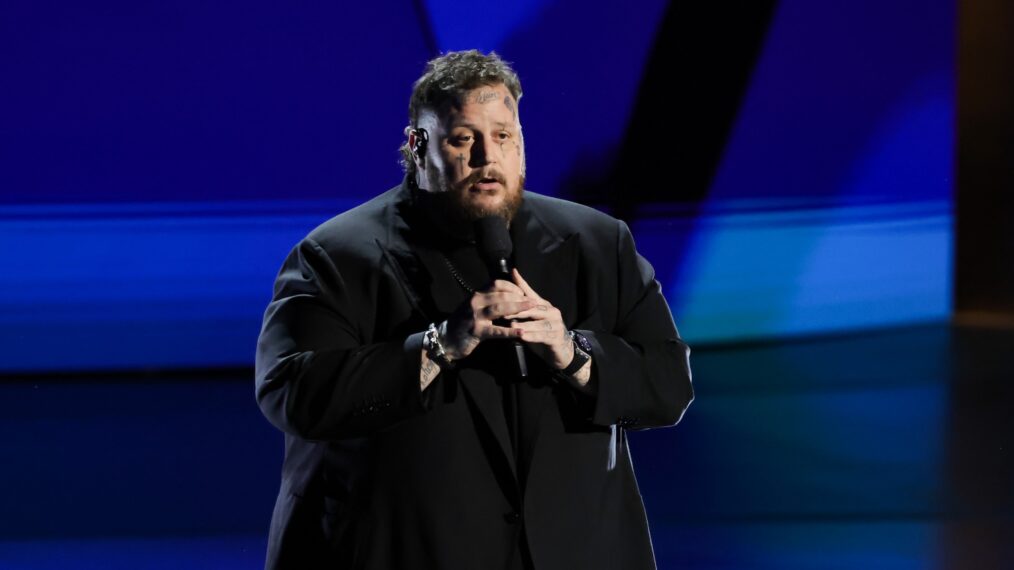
{"points": [[472, 322], [544, 330]]}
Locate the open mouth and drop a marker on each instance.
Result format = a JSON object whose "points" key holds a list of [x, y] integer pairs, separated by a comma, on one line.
{"points": [[487, 184]]}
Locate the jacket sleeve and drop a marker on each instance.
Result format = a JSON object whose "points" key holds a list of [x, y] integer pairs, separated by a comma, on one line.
{"points": [[314, 377], [642, 367]]}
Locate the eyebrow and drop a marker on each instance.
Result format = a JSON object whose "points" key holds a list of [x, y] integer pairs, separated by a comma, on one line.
{"points": [[472, 126]]}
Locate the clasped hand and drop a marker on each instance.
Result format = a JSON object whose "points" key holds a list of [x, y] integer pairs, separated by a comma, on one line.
{"points": [[536, 322]]}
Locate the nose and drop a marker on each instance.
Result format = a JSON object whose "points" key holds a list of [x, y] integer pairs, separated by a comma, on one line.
{"points": [[483, 152]]}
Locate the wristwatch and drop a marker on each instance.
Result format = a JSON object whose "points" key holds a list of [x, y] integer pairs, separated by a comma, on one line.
{"points": [[582, 353]]}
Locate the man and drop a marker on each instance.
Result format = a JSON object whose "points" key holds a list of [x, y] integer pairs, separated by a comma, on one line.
{"points": [[387, 357]]}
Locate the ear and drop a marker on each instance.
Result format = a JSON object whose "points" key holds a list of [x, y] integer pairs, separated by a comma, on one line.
{"points": [[412, 144]]}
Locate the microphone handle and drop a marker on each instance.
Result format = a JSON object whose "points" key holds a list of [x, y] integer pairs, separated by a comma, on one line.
{"points": [[519, 350]]}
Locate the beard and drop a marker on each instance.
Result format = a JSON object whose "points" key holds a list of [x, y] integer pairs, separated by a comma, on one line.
{"points": [[453, 204]]}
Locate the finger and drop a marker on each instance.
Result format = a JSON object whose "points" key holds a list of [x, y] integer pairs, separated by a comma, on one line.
{"points": [[493, 331], [524, 284], [548, 338], [495, 305], [500, 309], [481, 300], [505, 286], [540, 332], [540, 326], [540, 310]]}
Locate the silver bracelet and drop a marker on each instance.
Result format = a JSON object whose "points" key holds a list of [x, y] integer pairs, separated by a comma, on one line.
{"points": [[434, 350]]}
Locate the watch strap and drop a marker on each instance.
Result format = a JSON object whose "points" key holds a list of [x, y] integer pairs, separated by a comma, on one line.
{"points": [[581, 356]]}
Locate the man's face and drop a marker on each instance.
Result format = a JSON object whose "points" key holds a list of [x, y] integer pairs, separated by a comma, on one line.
{"points": [[476, 154]]}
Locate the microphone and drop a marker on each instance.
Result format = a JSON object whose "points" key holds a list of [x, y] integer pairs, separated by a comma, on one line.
{"points": [[495, 247]]}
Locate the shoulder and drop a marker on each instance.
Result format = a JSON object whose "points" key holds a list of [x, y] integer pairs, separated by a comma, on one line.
{"points": [[566, 217], [357, 228]]}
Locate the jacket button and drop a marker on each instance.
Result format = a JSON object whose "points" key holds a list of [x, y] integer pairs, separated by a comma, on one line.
{"points": [[512, 517]]}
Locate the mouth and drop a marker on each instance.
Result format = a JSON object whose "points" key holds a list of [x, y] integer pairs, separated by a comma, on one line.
{"points": [[487, 185]]}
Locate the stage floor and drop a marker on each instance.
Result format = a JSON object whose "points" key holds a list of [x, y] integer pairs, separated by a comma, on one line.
{"points": [[880, 449]]}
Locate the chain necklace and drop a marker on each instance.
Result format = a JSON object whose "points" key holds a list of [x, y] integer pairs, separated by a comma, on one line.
{"points": [[457, 275]]}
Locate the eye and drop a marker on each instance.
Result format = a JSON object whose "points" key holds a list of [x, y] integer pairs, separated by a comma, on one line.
{"points": [[461, 139], [504, 135]]}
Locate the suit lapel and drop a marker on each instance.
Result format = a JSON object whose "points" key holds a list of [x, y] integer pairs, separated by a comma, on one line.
{"points": [[412, 277], [409, 272], [546, 261]]}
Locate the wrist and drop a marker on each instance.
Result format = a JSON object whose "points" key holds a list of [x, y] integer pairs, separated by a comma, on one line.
{"points": [[565, 354], [580, 350], [435, 343], [445, 341]]}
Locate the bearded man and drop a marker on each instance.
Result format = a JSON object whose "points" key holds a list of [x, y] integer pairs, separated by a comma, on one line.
{"points": [[441, 411]]}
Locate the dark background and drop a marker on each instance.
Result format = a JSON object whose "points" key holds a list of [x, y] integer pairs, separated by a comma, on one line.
{"points": [[822, 188]]}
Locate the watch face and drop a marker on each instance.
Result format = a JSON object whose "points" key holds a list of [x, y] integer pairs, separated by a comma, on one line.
{"points": [[582, 342]]}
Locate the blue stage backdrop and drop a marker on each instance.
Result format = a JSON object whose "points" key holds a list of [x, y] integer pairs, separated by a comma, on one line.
{"points": [[158, 160]]}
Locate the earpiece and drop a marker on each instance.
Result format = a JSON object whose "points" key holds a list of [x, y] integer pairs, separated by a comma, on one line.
{"points": [[422, 138]]}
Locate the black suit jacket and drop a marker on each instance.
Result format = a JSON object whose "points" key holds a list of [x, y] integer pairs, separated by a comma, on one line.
{"points": [[378, 476]]}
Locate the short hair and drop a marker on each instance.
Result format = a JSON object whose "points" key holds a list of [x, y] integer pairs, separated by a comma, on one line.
{"points": [[446, 78]]}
